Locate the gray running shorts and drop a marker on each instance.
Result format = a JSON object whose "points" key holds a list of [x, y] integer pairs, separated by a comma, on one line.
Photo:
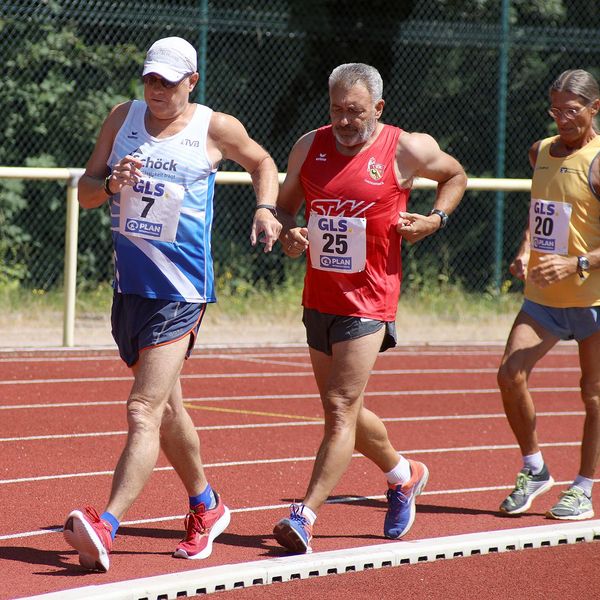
{"points": [[323, 330]]}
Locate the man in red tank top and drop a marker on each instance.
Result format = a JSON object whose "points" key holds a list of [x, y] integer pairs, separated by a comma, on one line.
{"points": [[354, 177]]}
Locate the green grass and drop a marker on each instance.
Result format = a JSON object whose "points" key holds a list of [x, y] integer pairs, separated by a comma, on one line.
{"points": [[451, 303], [16, 299], [422, 313]]}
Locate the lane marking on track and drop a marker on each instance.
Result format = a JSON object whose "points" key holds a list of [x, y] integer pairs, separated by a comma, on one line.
{"points": [[305, 422], [239, 411], [269, 374], [268, 507], [271, 461], [208, 352], [268, 360], [390, 393]]}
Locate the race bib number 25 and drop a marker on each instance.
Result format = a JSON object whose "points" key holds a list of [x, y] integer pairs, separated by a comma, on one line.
{"points": [[337, 244]]}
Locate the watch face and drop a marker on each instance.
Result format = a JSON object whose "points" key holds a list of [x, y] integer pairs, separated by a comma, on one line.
{"points": [[583, 263]]}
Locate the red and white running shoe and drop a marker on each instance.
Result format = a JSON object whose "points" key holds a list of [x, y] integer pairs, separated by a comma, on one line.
{"points": [[202, 527], [91, 537]]}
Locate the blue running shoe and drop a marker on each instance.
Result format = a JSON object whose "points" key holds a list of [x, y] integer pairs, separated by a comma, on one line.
{"points": [[401, 502], [294, 533]]}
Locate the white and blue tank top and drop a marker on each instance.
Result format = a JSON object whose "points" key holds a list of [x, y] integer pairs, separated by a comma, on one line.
{"points": [[161, 227]]}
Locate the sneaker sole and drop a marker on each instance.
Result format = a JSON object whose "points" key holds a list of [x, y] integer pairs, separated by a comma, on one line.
{"points": [[546, 487], [289, 538], [217, 529], [586, 515], [413, 510], [79, 534]]}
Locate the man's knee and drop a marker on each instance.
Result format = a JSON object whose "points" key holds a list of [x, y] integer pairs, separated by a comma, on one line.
{"points": [[144, 413], [511, 375], [590, 394], [174, 419], [340, 412]]}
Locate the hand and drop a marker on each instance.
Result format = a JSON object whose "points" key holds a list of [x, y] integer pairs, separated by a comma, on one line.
{"points": [[295, 241], [265, 229], [414, 227], [125, 172], [552, 268], [518, 267]]}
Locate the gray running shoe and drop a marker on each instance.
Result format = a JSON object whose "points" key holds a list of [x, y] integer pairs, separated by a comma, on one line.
{"points": [[527, 488], [573, 505]]}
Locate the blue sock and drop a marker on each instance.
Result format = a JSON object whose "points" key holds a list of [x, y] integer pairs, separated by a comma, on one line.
{"points": [[207, 497], [106, 516]]}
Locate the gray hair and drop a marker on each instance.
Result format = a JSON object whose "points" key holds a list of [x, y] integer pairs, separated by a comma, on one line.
{"points": [[349, 74], [579, 82]]}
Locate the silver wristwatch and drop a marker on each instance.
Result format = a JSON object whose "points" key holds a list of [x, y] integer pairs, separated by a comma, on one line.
{"points": [[583, 264]]}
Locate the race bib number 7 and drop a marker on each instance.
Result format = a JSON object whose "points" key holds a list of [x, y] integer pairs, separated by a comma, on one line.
{"points": [[151, 209], [549, 226], [337, 244]]}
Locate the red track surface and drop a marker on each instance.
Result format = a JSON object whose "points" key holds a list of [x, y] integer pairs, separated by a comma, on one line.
{"points": [[62, 426]]}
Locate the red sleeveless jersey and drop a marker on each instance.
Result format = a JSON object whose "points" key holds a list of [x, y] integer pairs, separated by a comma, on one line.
{"points": [[352, 204]]}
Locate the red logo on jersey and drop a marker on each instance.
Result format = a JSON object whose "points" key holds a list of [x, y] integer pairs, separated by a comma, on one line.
{"points": [[375, 170], [340, 208]]}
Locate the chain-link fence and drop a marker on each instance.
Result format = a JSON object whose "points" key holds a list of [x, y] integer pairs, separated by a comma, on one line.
{"points": [[472, 73]]}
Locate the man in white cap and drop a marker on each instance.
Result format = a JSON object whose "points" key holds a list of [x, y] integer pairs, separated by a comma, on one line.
{"points": [[155, 162]]}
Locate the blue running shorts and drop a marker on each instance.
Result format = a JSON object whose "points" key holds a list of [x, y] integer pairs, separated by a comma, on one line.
{"points": [[323, 330], [139, 323], [573, 323]]}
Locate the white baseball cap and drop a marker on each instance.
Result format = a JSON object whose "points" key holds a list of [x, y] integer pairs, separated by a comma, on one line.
{"points": [[171, 58]]}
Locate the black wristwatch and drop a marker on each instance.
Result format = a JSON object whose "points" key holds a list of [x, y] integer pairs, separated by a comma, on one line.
{"points": [[583, 264], [270, 207], [441, 214], [107, 186]]}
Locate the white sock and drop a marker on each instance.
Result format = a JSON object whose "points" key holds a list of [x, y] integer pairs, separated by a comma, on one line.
{"points": [[308, 514], [535, 462], [585, 484], [400, 474]]}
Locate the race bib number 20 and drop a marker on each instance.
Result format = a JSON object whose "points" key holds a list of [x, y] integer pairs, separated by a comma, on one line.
{"points": [[549, 226], [337, 244]]}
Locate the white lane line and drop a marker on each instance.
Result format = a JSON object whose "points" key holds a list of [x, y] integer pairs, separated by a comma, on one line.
{"points": [[308, 372], [268, 507], [209, 352], [390, 393], [269, 461], [94, 434]]}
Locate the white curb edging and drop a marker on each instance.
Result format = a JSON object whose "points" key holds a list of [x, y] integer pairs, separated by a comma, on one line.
{"points": [[391, 554]]}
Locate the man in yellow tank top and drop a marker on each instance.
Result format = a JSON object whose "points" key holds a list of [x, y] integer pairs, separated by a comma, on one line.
{"points": [[559, 260]]}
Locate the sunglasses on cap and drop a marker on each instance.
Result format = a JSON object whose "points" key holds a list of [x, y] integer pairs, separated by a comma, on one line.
{"points": [[152, 80]]}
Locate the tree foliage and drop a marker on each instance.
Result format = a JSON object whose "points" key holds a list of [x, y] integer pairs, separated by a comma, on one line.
{"points": [[67, 62]]}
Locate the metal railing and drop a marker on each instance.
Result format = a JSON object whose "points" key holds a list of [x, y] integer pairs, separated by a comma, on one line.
{"points": [[71, 177]]}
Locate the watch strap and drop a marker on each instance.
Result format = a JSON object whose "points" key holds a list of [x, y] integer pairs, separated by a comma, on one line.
{"points": [[441, 214], [269, 207], [107, 186]]}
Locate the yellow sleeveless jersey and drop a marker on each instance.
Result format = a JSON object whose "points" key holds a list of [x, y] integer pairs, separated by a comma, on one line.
{"points": [[564, 218]]}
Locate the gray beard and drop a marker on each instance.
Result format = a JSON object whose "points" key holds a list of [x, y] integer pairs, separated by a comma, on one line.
{"points": [[364, 136]]}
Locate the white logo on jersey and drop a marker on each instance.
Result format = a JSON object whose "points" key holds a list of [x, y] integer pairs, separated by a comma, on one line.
{"points": [[335, 207]]}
